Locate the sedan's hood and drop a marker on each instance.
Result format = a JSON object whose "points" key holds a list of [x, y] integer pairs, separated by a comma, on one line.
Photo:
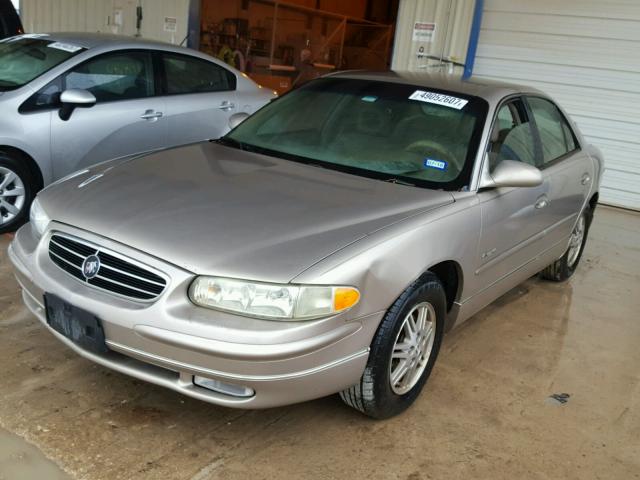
{"points": [[216, 210]]}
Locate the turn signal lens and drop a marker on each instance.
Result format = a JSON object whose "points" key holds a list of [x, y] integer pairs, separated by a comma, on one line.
{"points": [[345, 297]]}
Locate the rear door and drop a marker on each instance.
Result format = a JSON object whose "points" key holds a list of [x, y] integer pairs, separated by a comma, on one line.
{"points": [[200, 97], [566, 168], [513, 218], [127, 119]]}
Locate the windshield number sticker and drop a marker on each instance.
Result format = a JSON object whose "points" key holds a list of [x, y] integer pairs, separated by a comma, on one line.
{"points": [[439, 99], [437, 164], [67, 47]]}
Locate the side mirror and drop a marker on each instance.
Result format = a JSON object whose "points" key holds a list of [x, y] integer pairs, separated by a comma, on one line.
{"points": [[237, 118], [74, 98], [509, 173]]}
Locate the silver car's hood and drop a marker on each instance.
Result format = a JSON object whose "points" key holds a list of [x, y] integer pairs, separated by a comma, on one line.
{"points": [[216, 210]]}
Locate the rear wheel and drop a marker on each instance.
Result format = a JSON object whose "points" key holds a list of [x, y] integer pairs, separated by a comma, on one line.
{"points": [[17, 190], [565, 266], [403, 351]]}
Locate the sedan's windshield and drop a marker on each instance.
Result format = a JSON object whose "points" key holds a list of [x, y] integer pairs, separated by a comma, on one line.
{"points": [[384, 130], [23, 59]]}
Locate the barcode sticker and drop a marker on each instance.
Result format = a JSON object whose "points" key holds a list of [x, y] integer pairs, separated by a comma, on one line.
{"points": [[439, 99], [67, 47]]}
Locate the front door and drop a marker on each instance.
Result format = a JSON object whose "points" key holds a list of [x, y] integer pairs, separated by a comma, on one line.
{"points": [[127, 119]]}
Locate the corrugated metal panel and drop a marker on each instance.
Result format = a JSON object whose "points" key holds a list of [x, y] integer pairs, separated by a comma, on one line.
{"points": [[453, 24], [586, 54], [99, 16]]}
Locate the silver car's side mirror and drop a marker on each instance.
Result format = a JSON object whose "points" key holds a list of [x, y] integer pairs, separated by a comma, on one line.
{"points": [[74, 98], [237, 118], [509, 173]]}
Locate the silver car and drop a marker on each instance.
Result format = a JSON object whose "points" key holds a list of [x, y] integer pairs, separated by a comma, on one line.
{"points": [[71, 100], [326, 244]]}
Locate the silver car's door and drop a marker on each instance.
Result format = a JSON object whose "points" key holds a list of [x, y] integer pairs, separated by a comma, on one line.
{"points": [[128, 117], [200, 98], [566, 168], [513, 219]]}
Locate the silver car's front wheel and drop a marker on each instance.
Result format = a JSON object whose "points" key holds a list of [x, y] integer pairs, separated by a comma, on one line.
{"points": [[17, 190], [403, 351], [12, 195]]}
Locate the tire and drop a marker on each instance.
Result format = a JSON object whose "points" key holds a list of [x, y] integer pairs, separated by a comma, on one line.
{"points": [[17, 191], [374, 395], [565, 266]]}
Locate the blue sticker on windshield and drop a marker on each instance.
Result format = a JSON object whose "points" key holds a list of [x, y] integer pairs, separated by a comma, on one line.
{"points": [[437, 164], [369, 98]]}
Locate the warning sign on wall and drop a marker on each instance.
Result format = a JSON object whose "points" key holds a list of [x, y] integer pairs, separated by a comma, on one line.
{"points": [[170, 24], [423, 31]]}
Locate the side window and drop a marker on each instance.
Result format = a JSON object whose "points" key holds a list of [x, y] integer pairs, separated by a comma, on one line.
{"points": [[186, 74], [115, 76], [512, 136], [555, 134]]}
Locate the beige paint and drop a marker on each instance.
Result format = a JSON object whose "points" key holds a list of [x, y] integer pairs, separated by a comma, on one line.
{"points": [[483, 414]]}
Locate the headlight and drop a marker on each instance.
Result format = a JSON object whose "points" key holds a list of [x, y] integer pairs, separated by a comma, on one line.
{"points": [[272, 301], [38, 218]]}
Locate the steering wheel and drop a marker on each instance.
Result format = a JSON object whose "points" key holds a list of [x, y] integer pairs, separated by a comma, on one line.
{"points": [[424, 147], [405, 122]]}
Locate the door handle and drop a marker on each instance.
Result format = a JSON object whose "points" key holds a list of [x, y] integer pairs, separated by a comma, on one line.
{"points": [[542, 202], [586, 178], [226, 106], [150, 115]]}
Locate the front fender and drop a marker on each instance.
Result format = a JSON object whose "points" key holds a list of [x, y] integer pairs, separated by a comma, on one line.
{"points": [[383, 264]]}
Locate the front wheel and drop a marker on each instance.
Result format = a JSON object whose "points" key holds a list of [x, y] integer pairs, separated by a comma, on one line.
{"points": [[16, 193], [565, 266], [403, 351]]}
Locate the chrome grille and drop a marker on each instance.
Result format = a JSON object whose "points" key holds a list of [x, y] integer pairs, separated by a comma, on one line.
{"points": [[116, 274]]}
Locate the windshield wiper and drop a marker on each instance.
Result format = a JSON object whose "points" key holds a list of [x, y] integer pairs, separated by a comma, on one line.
{"points": [[400, 182], [229, 142], [245, 147]]}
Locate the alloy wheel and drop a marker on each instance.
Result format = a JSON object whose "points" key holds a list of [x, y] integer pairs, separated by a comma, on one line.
{"points": [[412, 348], [575, 243], [12, 195]]}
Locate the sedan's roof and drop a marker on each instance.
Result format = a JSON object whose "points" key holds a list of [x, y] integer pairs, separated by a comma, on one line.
{"points": [[490, 90], [92, 40]]}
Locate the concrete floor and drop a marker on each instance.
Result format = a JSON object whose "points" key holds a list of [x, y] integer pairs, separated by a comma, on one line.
{"points": [[484, 414]]}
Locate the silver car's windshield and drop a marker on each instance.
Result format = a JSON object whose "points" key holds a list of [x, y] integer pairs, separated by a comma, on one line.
{"points": [[23, 59], [390, 131]]}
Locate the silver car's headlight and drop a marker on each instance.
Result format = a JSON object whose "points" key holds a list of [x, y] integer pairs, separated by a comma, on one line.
{"points": [[272, 301], [38, 218]]}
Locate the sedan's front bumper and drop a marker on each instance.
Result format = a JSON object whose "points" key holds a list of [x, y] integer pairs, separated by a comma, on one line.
{"points": [[169, 341]]}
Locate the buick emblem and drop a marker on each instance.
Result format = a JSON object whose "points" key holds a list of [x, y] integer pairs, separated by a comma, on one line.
{"points": [[90, 266]]}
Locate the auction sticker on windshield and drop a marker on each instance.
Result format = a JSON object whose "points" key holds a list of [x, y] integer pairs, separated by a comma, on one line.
{"points": [[67, 47], [439, 99]]}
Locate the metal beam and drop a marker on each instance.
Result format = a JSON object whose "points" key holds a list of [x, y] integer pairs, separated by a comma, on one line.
{"points": [[473, 39]]}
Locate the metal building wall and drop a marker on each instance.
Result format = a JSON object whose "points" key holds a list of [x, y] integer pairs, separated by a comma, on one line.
{"points": [[102, 16], [586, 54], [453, 23]]}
